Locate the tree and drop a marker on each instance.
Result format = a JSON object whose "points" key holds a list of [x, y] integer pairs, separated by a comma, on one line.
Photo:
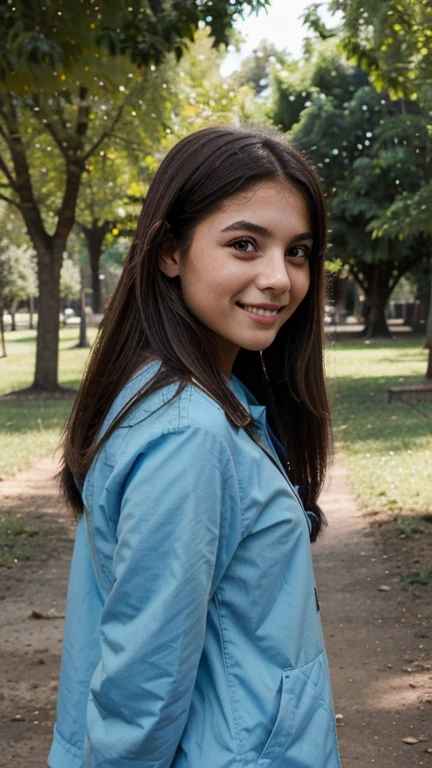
{"points": [[255, 70], [369, 151], [194, 95], [393, 42], [17, 279], [53, 82]]}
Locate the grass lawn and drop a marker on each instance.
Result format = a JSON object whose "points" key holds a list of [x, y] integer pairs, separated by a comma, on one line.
{"points": [[18, 537], [388, 447], [30, 430]]}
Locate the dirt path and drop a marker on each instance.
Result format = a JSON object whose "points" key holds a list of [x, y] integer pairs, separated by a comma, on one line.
{"points": [[379, 641], [30, 648]]}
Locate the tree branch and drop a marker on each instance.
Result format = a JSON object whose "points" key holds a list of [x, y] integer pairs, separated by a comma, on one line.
{"points": [[404, 268], [10, 201], [359, 280], [43, 118], [24, 188], [3, 133], [7, 173], [66, 216], [83, 112], [60, 115], [106, 133], [127, 141]]}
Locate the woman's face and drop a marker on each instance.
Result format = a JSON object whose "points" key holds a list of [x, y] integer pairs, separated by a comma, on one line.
{"points": [[247, 268]]}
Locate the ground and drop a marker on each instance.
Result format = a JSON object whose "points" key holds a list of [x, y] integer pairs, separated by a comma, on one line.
{"points": [[378, 631]]}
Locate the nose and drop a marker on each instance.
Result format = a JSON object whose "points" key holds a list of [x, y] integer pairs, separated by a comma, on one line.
{"points": [[273, 274]]}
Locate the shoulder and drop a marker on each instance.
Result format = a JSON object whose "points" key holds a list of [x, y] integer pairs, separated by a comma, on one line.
{"points": [[170, 410], [172, 407], [167, 436]]}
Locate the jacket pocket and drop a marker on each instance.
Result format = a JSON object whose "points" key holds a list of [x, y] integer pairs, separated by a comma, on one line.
{"points": [[304, 733]]}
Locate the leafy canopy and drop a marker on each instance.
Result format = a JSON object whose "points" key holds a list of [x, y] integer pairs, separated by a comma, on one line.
{"points": [[53, 38], [392, 40]]}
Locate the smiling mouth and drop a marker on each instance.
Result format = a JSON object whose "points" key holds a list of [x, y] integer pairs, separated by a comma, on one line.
{"points": [[259, 310]]}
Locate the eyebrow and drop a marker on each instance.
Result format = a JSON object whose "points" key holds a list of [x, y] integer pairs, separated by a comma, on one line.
{"points": [[257, 229]]}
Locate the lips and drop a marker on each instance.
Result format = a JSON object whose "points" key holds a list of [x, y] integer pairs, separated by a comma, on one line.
{"points": [[264, 310]]}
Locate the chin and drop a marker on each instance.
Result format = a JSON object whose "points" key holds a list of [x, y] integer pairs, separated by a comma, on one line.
{"points": [[257, 346]]}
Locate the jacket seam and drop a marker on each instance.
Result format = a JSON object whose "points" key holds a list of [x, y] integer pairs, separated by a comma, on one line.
{"points": [[319, 693], [235, 704], [67, 747]]}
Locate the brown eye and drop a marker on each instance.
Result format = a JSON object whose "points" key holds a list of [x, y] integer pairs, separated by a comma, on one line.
{"points": [[243, 244], [299, 252]]}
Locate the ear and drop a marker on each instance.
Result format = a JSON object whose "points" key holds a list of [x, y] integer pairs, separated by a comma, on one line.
{"points": [[169, 257]]}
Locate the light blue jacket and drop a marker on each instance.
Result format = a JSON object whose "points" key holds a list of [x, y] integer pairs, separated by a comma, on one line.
{"points": [[193, 635]]}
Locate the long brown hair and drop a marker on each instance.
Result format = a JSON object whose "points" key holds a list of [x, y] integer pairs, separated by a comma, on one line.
{"points": [[147, 317]]}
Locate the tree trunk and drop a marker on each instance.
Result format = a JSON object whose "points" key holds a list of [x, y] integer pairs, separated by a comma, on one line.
{"points": [[428, 343], [49, 266], [83, 342], [429, 365], [13, 308], [2, 331], [97, 302], [377, 295], [49, 248], [94, 236], [377, 322], [31, 312]]}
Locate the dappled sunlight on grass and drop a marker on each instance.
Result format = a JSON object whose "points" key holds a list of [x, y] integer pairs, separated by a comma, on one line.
{"points": [[388, 445], [17, 369], [30, 430]]}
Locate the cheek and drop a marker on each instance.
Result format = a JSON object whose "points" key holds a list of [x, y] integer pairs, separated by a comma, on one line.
{"points": [[300, 284]]}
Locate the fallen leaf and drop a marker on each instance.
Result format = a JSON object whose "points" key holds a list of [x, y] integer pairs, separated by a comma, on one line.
{"points": [[39, 615]]}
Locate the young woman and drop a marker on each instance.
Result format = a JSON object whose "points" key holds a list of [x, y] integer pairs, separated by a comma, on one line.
{"points": [[193, 635]]}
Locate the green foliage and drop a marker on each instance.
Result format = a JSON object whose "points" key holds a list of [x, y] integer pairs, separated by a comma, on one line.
{"points": [[17, 273], [323, 71], [392, 40], [16, 538], [70, 74], [370, 153], [201, 96], [418, 577], [186, 97], [256, 69], [70, 280], [407, 527], [54, 39], [313, 20]]}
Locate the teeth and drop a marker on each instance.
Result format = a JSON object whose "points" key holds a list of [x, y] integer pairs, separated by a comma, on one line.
{"points": [[257, 311]]}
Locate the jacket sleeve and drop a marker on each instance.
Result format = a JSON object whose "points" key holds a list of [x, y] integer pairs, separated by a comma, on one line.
{"points": [[153, 624]]}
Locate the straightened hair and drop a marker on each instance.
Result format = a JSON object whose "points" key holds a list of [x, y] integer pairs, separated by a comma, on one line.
{"points": [[147, 318]]}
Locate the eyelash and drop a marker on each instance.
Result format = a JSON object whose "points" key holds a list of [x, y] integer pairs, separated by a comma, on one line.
{"points": [[306, 248]]}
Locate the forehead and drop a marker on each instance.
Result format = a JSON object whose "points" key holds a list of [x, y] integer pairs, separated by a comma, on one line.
{"points": [[274, 204]]}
